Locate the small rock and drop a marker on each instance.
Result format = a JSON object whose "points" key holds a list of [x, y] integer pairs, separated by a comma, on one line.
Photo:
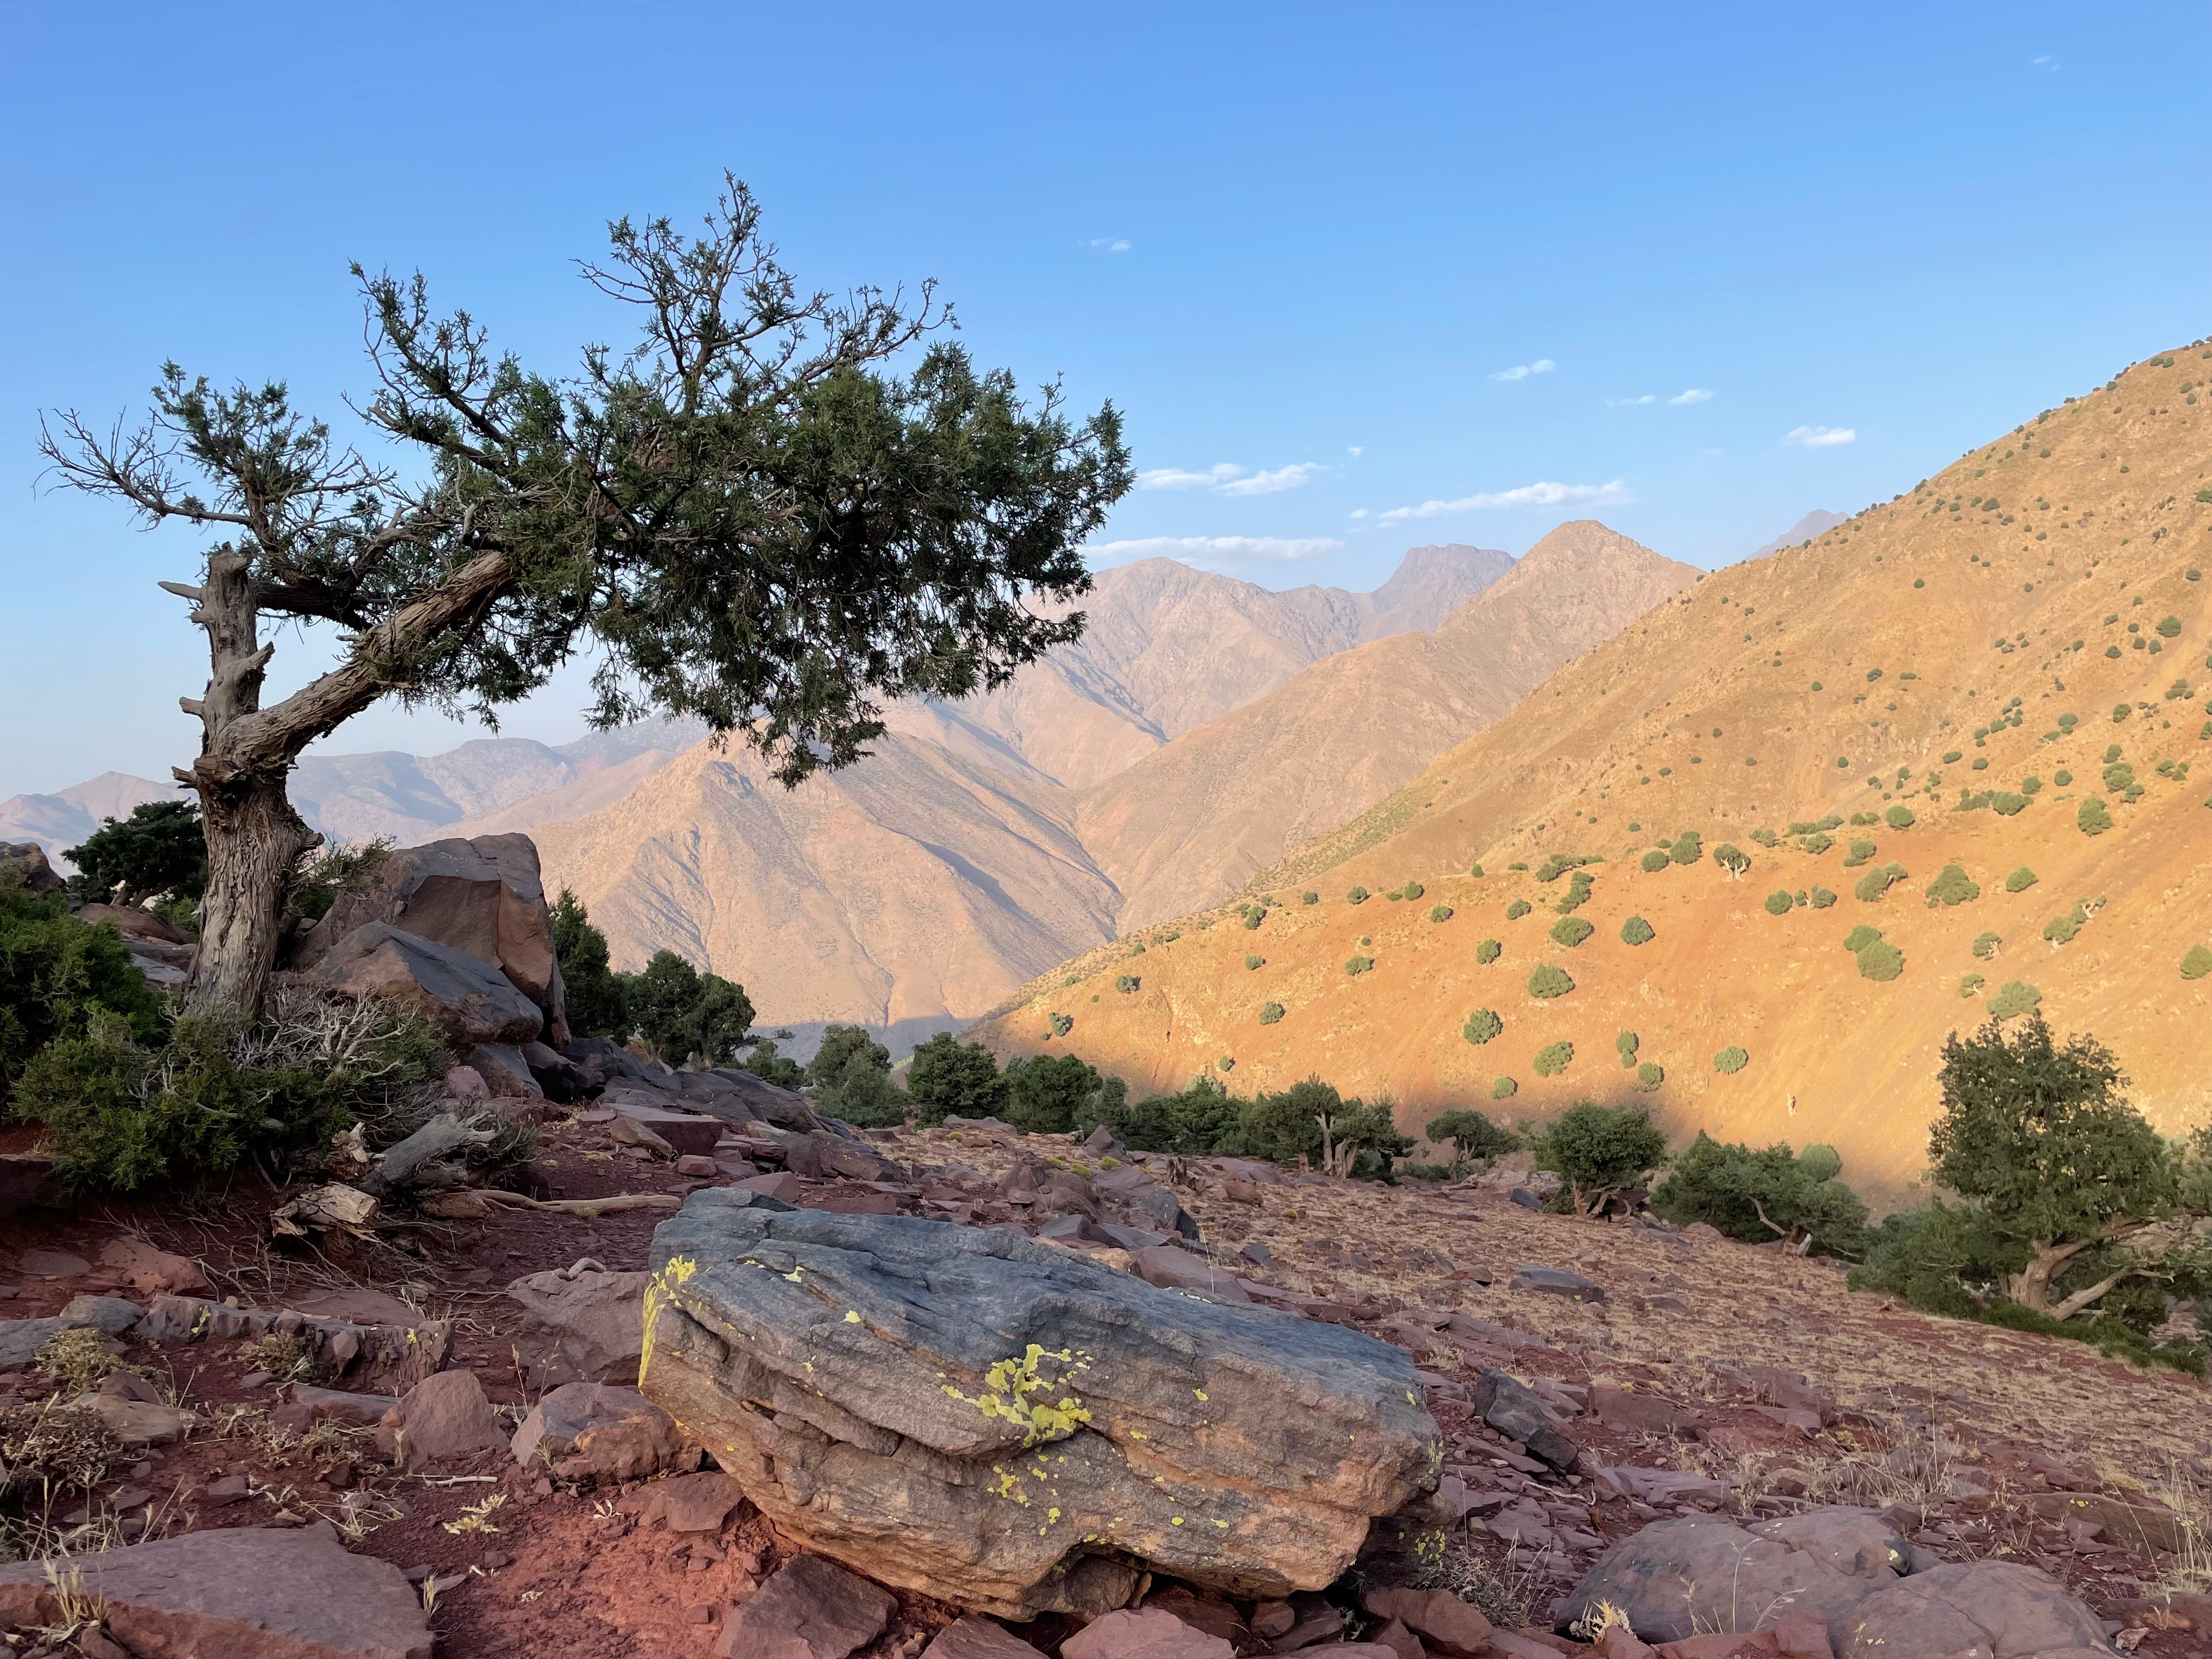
{"points": [[1150, 1634], [153, 1272], [977, 1637], [1258, 1254], [129, 1385], [810, 1608], [695, 1502], [231, 1489], [139, 1422], [782, 1186], [1443, 1619], [1997, 1607], [590, 1430], [257, 1379], [1516, 1411], [53, 1264], [1174, 1269], [1525, 1199], [444, 1416], [693, 1163], [467, 1083], [1400, 1641], [589, 1327], [1557, 1281]]}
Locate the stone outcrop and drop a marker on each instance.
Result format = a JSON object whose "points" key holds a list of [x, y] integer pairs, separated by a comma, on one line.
{"points": [[485, 897], [468, 999], [441, 1418], [590, 1432], [580, 1325], [1012, 1428], [395, 1355], [25, 861], [242, 1592]]}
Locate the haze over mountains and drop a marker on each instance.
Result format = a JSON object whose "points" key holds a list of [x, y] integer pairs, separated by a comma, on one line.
{"points": [[2016, 654]]}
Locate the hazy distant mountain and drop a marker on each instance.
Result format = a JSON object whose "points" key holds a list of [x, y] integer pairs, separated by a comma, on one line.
{"points": [[1818, 522], [65, 817]]}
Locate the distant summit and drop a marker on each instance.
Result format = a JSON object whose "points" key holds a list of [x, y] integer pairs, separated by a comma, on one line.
{"points": [[1818, 522]]}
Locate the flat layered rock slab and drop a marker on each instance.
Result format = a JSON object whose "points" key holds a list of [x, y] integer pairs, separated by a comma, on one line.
{"points": [[241, 1592], [1008, 1426]]}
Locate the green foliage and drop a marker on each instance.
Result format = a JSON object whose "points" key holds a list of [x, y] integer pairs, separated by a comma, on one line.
{"points": [[1270, 1012], [2093, 817], [1688, 850], [1653, 861], [1860, 853], [1412, 890], [1878, 881], [1309, 897], [597, 997], [2196, 961], [1253, 964], [2020, 881], [1779, 904], [124, 1114], [1571, 931], [1898, 816], [2018, 997], [1503, 1088], [764, 1062], [1202, 1119], [2063, 929], [1625, 1043], [1954, 886], [159, 848], [2007, 804], [682, 1014], [1357, 965], [1732, 858], [1549, 981], [1817, 843], [1593, 1148], [1356, 895], [1517, 909], [1761, 1196], [1730, 1061], [1481, 1026], [1636, 931], [2169, 627], [1488, 951], [314, 883], [1860, 937], [1440, 913], [56, 974], [1576, 896], [1050, 1094], [1127, 983], [1971, 983], [1985, 946], [1821, 899], [1552, 1058], [1475, 1139], [947, 1077], [1880, 962]]}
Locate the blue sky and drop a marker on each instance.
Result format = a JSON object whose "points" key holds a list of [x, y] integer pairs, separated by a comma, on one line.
{"points": [[1361, 277]]}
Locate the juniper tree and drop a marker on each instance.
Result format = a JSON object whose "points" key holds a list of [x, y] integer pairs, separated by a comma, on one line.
{"points": [[777, 511]]}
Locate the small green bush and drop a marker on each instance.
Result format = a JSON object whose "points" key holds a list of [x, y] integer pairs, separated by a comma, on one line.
{"points": [[1481, 1026], [2018, 997], [1413, 890], [2063, 929], [1548, 981], [1552, 1059], [1878, 881], [1689, 850], [1821, 899], [1476, 872], [1636, 931], [2093, 817], [1255, 916], [1880, 961], [1898, 816], [1985, 946], [1649, 1075], [1503, 1088], [1253, 964], [1816, 843], [1359, 965], [56, 974], [2007, 804], [1625, 1044], [2020, 881], [1860, 937], [1730, 1061], [1517, 909], [1779, 904], [1440, 913], [1488, 951], [1059, 1024], [1309, 897], [1571, 931], [1126, 983], [1270, 1012], [1356, 895], [1954, 886], [1593, 1148], [1971, 983], [1860, 852], [2196, 962], [1653, 861]]}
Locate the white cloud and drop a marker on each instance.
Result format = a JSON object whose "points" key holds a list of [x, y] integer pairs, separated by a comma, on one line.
{"points": [[2044, 63], [1110, 244], [1696, 394], [1213, 551], [1359, 512], [1270, 484], [1629, 402], [1353, 449], [1522, 370], [1535, 494], [1170, 478], [1820, 437]]}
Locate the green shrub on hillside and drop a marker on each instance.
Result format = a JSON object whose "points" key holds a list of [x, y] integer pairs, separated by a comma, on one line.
{"points": [[1356, 895], [1733, 859], [596, 996], [1359, 965], [1653, 861], [1954, 886], [1762, 1196], [1517, 909], [1625, 1044], [1488, 951], [1548, 981], [1636, 931], [1649, 1075], [1253, 964], [2092, 818], [1689, 850], [1309, 897], [1475, 870], [1898, 816], [1552, 1059], [1816, 843], [1971, 983], [1767, 838], [1475, 1139], [2020, 881], [1481, 1026], [1571, 931], [1880, 962], [1413, 890], [1860, 852], [2018, 997], [1503, 1088], [1126, 983], [1860, 937], [1878, 881], [1270, 1012], [1779, 904], [2063, 929], [1985, 946], [2007, 804], [1576, 896], [1821, 898], [947, 1077], [2196, 962], [1730, 1061], [56, 974], [1059, 1024], [1440, 913], [1053, 1094], [1596, 1149]]}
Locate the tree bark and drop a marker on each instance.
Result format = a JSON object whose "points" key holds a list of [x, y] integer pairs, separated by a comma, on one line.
{"points": [[2030, 1286]]}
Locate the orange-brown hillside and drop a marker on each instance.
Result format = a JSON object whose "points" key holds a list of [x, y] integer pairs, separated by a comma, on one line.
{"points": [[1926, 654]]}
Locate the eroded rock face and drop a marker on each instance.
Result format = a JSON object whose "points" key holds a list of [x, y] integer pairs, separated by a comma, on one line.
{"points": [[469, 999], [1014, 1429], [581, 1326]]}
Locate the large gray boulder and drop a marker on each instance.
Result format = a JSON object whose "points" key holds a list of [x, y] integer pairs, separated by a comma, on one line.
{"points": [[1677, 1578], [1999, 1608], [466, 997], [485, 897], [1014, 1429]]}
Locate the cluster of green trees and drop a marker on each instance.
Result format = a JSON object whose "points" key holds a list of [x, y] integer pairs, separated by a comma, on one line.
{"points": [[1309, 1119], [681, 1015]]}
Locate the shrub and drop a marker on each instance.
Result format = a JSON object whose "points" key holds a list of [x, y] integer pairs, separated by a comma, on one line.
{"points": [[1860, 937], [1270, 1012], [1571, 931], [2020, 881], [2196, 962], [1596, 1149], [1954, 886], [1576, 896], [2092, 818], [1475, 1139], [1821, 899], [1880, 962], [1779, 904], [2018, 997], [1730, 1061], [1760, 1196], [159, 848], [682, 1014], [1255, 916], [1440, 913], [1649, 1075], [2062, 929], [1309, 897], [1767, 838], [1059, 1024], [1413, 890], [1636, 931], [764, 1062], [1625, 1044], [1653, 861], [1898, 816], [1878, 881], [2062, 778], [55, 973], [1051, 1094], [1548, 981], [1503, 1088], [1860, 853], [2169, 627], [1359, 965], [1985, 946], [851, 1072], [1970, 984], [1689, 850], [1517, 909], [1816, 843], [1356, 895], [1552, 1058], [947, 1077], [1481, 1026], [1126, 983], [1488, 951], [597, 997]]}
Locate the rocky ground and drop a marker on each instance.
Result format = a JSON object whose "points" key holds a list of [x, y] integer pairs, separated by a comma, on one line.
{"points": [[1678, 1377]]}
